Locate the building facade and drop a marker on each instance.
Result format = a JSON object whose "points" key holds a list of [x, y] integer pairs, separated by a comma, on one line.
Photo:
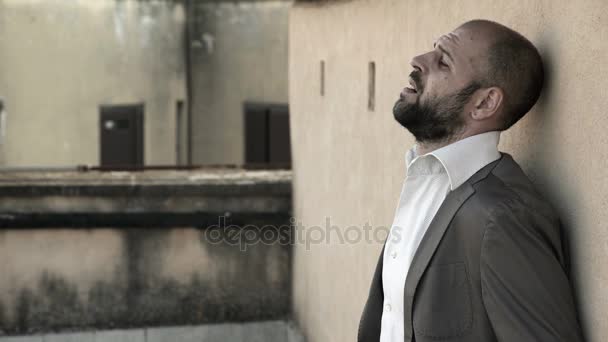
{"points": [[85, 82]]}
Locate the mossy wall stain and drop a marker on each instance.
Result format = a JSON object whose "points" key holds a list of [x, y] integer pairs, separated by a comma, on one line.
{"points": [[240, 288]]}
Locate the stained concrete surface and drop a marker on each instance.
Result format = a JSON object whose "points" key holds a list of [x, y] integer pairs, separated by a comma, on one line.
{"points": [[270, 331], [66, 278], [143, 199]]}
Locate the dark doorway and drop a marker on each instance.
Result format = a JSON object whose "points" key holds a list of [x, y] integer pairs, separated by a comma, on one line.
{"points": [[122, 135], [267, 134]]}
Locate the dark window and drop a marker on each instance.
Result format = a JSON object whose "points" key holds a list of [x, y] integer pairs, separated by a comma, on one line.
{"points": [[121, 135], [267, 138]]}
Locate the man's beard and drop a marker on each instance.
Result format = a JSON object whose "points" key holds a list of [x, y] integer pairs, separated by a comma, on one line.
{"points": [[435, 120]]}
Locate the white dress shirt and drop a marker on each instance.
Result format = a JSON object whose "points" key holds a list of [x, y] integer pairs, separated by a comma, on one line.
{"points": [[429, 179]]}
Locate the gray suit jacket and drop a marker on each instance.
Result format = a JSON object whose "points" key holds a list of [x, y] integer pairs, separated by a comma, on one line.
{"points": [[492, 266]]}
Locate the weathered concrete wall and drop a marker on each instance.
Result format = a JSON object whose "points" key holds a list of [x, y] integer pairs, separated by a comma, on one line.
{"points": [[238, 53], [61, 60], [152, 274], [348, 161], [267, 331]]}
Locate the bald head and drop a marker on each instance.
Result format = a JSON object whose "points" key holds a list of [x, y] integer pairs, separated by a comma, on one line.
{"points": [[512, 63]]}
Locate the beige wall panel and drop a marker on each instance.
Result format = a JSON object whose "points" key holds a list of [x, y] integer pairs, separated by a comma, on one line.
{"points": [[349, 162]]}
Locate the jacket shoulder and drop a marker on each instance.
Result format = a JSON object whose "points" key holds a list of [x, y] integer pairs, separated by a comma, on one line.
{"points": [[507, 194], [505, 187]]}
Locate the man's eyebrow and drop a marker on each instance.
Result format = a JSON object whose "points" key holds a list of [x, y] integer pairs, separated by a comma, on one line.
{"points": [[443, 50]]}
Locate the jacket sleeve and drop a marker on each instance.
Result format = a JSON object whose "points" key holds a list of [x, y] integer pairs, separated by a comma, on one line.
{"points": [[525, 289]]}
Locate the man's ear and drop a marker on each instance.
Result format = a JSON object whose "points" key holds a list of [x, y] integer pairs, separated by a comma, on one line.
{"points": [[487, 103]]}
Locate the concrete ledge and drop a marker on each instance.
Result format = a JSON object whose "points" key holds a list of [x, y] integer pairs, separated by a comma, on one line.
{"points": [[212, 176], [135, 199], [143, 220]]}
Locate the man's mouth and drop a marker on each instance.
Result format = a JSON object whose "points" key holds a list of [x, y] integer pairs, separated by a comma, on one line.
{"points": [[411, 89]]}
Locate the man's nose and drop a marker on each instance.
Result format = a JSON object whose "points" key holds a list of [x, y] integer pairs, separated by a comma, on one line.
{"points": [[418, 63]]}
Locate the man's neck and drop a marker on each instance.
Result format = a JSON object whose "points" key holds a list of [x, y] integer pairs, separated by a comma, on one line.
{"points": [[424, 147]]}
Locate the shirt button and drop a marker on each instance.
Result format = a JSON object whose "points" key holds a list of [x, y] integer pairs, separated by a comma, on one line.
{"points": [[387, 307], [394, 255]]}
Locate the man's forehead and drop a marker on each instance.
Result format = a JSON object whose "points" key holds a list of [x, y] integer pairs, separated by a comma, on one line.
{"points": [[466, 47], [463, 36], [465, 41]]}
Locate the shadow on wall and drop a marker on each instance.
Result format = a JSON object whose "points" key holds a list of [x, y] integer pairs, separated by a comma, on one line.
{"points": [[538, 159]]}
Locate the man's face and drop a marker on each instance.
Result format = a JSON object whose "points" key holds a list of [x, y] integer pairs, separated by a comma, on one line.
{"points": [[432, 107]]}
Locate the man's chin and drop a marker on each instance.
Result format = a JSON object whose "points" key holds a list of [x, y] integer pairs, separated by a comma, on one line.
{"points": [[400, 103], [403, 115]]}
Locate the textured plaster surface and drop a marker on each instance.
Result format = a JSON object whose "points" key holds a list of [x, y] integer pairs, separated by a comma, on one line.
{"points": [[349, 162]]}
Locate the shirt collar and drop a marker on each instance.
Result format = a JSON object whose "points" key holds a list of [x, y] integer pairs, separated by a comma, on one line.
{"points": [[463, 158]]}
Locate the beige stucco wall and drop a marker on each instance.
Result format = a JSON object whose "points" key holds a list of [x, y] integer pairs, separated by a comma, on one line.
{"points": [[348, 161], [238, 53], [60, 60]]}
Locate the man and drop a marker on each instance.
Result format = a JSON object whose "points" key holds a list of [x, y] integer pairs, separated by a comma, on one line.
{"points": [[474, 253]]}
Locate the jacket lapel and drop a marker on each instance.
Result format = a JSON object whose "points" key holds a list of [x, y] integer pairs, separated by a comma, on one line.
{"points": [[433, 236], [429, 244]]}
